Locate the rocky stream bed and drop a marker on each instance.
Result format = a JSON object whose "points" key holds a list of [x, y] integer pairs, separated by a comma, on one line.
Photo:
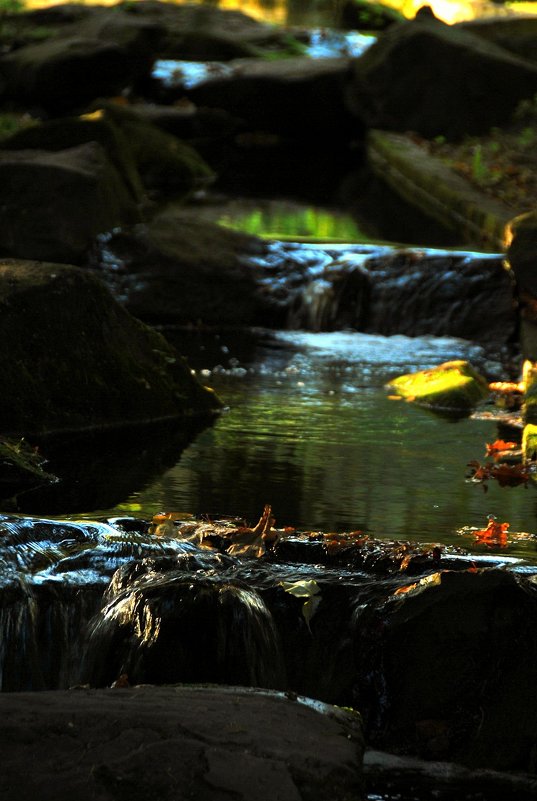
{"points": [[187, 657]]}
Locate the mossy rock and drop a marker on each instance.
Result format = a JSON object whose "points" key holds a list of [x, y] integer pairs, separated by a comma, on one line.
{"points": [[452, 386], [74, 359], [529, 442], [68, 132], [164, 162], [530, 393], [54, 204]]}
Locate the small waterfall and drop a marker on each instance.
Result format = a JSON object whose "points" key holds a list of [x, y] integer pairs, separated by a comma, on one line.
{"points": [[54, 574], [42, 632], [172, 628], [337, 300], [412, 292]]}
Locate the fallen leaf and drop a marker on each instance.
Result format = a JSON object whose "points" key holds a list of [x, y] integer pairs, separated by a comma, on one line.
{"points": [[498, 446], [495, 534]]}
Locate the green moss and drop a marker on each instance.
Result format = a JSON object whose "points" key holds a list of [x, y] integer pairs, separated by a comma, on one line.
{"points": [[163, 160], [11, 123], [530, 394], [453, 386], [529, 442]]}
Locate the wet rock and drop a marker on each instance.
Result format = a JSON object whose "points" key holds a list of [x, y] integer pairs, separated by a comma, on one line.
{"points": [[454, 653], [65, 73], [295, 97], [183, 270], [529, 403], [428, 77], [98, 367], [178, 742], [52, 205], [529, 442], [452, 386]]}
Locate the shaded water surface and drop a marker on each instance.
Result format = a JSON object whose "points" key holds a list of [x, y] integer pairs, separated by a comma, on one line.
{"points": [[309, 428]]}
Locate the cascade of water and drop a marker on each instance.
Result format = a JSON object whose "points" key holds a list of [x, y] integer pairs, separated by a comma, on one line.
{"points": [[174, 628]]}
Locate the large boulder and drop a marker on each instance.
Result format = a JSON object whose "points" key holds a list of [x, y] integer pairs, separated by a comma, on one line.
{"points": [[205, 33], [431, 78], [454, 654], [64, 73], [165, 163], [74, 359], [183, 270], [291, 97], [68, 132], [144, 155], [53, 204], [148, 29], [178, 743], [516, 33]]}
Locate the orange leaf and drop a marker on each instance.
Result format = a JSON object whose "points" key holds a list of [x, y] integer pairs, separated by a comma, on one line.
{"points": [[499, 445], [494, 534]]}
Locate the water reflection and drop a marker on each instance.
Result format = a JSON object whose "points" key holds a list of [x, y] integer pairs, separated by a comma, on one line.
{"points": [[310, 429]]}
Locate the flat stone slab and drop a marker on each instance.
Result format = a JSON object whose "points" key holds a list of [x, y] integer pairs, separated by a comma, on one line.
{"points": [[177, 742], [427, 183]]}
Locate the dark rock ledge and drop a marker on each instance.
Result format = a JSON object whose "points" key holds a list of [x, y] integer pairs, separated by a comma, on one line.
{"points": [[177, 743]]}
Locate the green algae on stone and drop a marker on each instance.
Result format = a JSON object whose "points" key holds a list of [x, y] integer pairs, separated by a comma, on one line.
{"points": [[452, 386], [164, 161], [530, 393], [529, 442]]}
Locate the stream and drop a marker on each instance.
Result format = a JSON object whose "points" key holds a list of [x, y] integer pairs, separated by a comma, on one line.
{"points": [[308, 427]]}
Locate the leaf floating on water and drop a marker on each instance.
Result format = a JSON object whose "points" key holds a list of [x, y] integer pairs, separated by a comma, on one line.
{"points": [[499, 446], [507, 475], [495, 534]]}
